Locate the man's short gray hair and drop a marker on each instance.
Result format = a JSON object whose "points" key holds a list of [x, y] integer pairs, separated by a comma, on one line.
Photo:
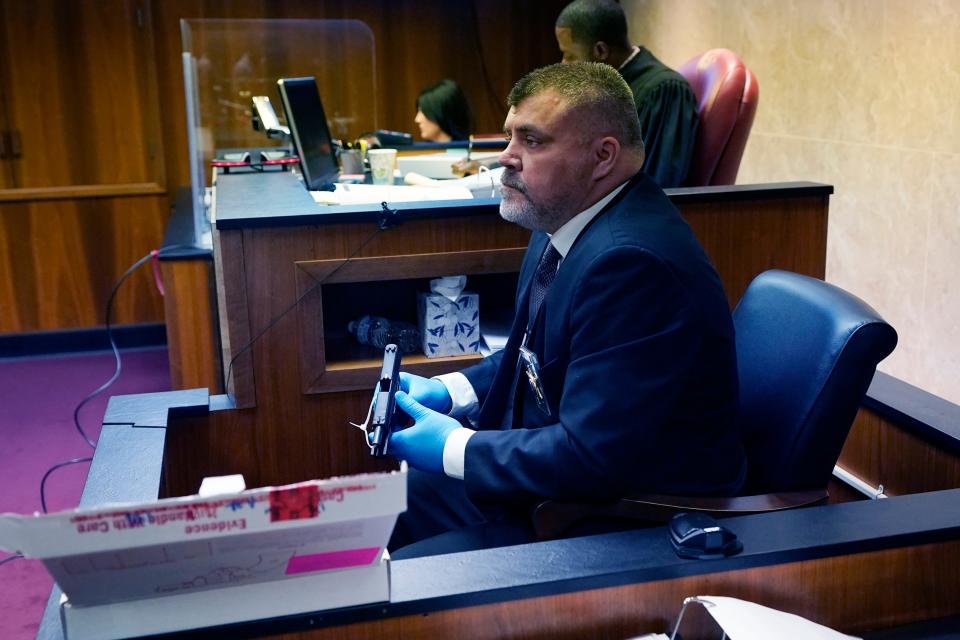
{"points": [[596, 88]]}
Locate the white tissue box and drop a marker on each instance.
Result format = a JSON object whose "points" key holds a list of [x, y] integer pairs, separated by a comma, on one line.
{"points": [[449, 327]]}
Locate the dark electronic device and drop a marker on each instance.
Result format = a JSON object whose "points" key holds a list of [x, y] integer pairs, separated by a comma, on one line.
{"points": [[309, 131], [384, 412], [393, 138], [265, 119], [254, 160], [699, 536]]}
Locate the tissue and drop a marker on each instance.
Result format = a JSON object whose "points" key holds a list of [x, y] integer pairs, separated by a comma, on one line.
{"points": [[449, 318]]}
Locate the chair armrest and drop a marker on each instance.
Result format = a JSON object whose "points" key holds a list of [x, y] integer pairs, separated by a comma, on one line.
{"points": [[552, 519]]}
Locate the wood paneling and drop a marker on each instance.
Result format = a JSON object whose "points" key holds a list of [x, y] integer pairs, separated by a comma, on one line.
{"points": [[78, 90], [235, 339], [189, 310], [852, 593], [747, 237], [81, 92], [289, 436], [411, 266], [879, 451], [59, 260], [6, 167], [82, 191], [267, 259]]}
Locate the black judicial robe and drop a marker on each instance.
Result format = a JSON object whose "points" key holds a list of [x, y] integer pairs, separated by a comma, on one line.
{"points": [[667, 109]]}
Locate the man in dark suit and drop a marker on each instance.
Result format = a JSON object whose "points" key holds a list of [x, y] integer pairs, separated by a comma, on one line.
{"points": [[596, 30], [619, 304]]}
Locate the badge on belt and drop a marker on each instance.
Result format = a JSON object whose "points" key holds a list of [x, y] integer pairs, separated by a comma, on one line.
{"points": [[531, 366]]}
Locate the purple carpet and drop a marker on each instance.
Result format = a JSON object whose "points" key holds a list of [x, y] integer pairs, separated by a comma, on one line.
{"points": [[37, 399]]}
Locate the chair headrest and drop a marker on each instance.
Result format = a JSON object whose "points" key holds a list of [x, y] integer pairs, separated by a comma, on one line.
{"points": [[727, 95], [712, 72]]}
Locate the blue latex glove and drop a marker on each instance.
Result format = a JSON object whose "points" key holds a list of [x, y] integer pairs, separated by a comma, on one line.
{"points": [[430, 393], [421, 444]]}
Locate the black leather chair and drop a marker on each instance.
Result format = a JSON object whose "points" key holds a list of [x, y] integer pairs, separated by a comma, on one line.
{"points": [[806, 352]]}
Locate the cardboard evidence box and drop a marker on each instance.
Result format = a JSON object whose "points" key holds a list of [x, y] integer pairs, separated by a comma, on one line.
{"points": [[182, 563]]}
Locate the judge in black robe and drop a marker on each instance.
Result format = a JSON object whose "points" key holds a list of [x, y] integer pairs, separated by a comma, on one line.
{"points": [[596, 31], [667, 109]]}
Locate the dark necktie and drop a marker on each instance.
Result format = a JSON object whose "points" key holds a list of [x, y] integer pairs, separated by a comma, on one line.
{"points": [[542, 279]]}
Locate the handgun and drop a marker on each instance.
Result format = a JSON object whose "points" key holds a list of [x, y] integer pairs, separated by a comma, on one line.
{"points": [[384, 406]]}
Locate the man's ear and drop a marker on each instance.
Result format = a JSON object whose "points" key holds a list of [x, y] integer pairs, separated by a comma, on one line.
{"points": [[600, 51], [606, 151]]}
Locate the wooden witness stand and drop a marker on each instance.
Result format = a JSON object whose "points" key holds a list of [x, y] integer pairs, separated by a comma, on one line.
{"points": [[297, 378], [853, 566]]}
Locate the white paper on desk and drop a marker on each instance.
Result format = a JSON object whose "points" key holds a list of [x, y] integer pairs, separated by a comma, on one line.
{"points": [[439, 165], [742, 620], [485, 184], [375, 194]]}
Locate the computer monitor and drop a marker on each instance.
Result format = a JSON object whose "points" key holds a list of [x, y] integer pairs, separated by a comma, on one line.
{"points": [[309, 131]]}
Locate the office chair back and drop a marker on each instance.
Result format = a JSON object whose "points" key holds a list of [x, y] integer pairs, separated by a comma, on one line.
{"points": [[806, 352], [727, 95]]}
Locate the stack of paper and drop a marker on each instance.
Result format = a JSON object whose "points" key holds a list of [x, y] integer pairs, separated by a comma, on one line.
{"points": [[439, 165], [485, 184], [372, 193]]}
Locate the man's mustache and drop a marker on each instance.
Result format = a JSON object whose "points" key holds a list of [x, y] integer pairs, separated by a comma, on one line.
{"points": [[510, 179]]}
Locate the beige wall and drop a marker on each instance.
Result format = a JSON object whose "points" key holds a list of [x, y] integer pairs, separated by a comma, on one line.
{"points": [[863, 95]]}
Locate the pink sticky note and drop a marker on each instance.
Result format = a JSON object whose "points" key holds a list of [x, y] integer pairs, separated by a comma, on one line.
{"points": [[332, 560]]}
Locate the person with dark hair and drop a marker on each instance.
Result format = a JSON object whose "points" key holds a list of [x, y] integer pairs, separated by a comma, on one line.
{"points": [[443, 113], [596, 30], [619, 374]]}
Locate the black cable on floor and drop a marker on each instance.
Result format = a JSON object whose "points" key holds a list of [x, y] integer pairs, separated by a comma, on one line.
{"points": [[113, 345], [16, 556], [116, 373], [43, 482]]}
